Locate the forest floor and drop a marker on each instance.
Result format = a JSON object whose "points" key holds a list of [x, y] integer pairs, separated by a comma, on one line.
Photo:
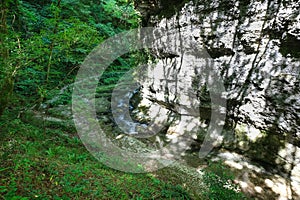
{"points": [[47, 162], [43, 158]]}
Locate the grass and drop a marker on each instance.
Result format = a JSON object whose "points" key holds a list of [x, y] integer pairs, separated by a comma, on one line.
{"points": [[53, 164], [48, 161]]}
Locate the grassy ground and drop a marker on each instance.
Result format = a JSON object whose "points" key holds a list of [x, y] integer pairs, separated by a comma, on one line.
{"points": [[46, 160], [51, 163]]}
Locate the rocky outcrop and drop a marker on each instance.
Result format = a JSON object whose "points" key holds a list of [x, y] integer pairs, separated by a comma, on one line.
{"points": [[254, 47]]}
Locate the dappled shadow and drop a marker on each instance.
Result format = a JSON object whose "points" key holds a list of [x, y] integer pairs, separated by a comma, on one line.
{"points": [[260, 75]]}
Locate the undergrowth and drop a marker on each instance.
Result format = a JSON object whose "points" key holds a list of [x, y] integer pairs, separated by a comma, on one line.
{"points": [[53, 164]]}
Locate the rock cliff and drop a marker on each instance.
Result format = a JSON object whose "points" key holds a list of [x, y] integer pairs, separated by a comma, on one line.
{"points": [[254, 48]]}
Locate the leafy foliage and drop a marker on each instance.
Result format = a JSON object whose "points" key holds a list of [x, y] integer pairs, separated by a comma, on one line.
{"points": [[49, 40], [220, 183]]}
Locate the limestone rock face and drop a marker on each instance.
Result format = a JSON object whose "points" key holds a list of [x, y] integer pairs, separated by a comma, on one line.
{"points": [[254, 47]]}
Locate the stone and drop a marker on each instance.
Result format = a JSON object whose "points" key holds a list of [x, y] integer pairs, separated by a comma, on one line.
{"points": [[254, 47]]}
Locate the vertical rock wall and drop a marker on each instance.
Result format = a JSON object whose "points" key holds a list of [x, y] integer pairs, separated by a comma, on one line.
{"points": [[255, 48]]}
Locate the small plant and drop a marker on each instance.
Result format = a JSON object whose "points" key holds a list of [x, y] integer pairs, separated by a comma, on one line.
{"points": [[220, 184]]}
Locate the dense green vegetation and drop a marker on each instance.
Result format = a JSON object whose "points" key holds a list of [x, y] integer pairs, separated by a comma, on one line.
{"points": [[55, 165], [42, 44]]}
